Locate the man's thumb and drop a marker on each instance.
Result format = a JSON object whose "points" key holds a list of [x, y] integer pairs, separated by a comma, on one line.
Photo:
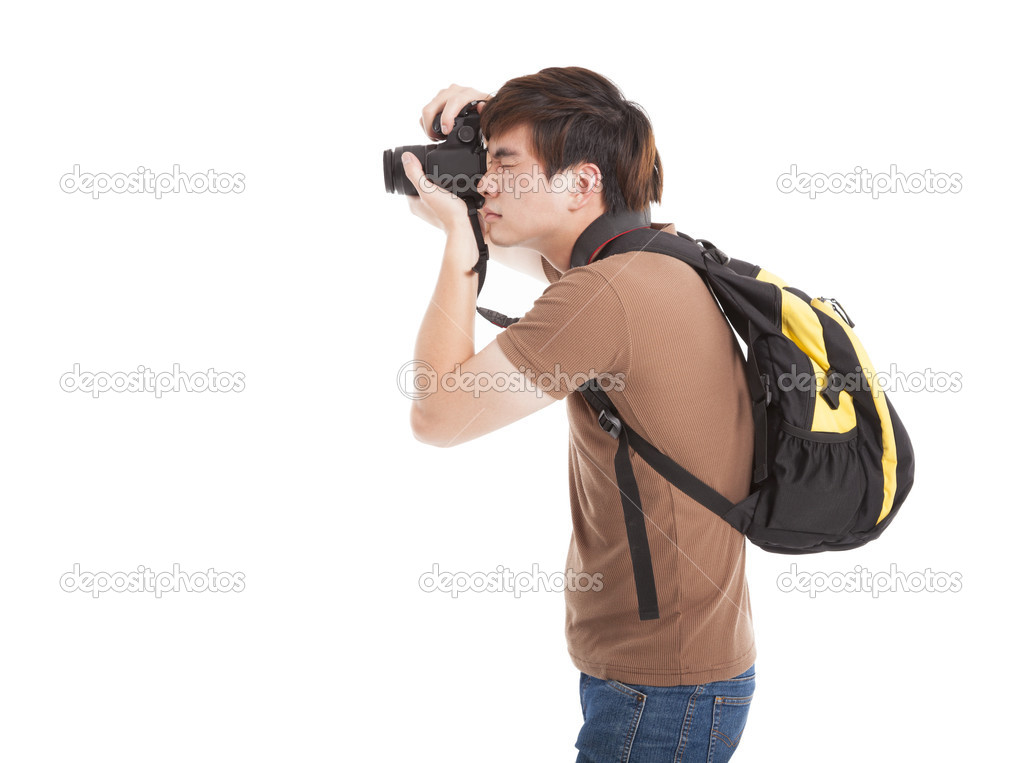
{"points": [[413, 169]]}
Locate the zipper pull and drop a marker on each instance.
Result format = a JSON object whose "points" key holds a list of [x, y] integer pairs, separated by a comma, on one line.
{"points": [[839, 309]]}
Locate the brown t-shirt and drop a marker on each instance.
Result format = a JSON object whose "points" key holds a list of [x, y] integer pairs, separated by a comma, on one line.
{"points": [[649, 322]]}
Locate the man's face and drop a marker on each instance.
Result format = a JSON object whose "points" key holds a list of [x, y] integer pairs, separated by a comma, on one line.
{"points": [[523, 207]]}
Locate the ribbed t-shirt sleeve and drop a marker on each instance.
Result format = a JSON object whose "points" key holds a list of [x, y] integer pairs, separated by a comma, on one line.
{"points": [[576, 330]]}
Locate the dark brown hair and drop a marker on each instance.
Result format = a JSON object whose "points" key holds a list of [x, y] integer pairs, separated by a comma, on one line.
{"points": [[579, 116]]}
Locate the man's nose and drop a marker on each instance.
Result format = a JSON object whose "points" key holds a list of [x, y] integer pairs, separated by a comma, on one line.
{"points": [[486, 185]]}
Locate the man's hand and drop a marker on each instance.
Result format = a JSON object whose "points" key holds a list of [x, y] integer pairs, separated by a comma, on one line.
{"points": [[449, 102], [436, 205]]}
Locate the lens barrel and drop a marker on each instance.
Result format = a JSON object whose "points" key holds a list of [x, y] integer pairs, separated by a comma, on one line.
{"points": [[395, 179]]}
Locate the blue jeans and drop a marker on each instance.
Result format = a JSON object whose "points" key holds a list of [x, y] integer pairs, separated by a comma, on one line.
{"points": [[628, 723]]}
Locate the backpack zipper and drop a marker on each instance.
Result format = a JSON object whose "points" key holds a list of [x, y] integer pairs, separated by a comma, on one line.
{"points": [[839, 309]]}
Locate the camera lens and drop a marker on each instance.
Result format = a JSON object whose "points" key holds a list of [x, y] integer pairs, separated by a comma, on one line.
{"points": [[388, 179], [395, 179]]}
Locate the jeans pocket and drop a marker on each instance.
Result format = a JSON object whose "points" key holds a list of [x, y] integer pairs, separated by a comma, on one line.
{"points": [[611, 714], [730, 715], [628, 691]]}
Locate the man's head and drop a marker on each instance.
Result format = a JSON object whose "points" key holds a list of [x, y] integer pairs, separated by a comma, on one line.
{"points": [[564, 146]]}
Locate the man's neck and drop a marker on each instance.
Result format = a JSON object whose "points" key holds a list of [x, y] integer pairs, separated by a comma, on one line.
{"points": [[558, 249], [598, 232]]}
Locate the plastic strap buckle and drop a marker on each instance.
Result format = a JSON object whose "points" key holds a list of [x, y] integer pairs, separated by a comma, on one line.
{"points": [[709, 250], [609, 423], [832, 389]]}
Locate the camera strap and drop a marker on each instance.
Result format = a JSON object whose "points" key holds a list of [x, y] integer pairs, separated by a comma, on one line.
{"points": [[498, 319], [480, 267]]}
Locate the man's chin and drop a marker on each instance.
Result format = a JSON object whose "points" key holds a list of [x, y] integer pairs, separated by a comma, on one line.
{"points": [[501, 236], [498, 238]]}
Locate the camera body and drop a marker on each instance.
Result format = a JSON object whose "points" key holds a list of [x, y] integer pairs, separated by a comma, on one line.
{"points": [[455, 164]]}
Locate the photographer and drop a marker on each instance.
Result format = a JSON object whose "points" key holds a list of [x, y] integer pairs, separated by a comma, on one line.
{"points": [[665, 647]]}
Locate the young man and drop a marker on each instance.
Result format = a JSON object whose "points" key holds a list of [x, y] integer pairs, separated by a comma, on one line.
{"points": [[571, 164]]}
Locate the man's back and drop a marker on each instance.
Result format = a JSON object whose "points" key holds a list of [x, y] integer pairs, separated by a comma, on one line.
{"points": [[652, 320]]}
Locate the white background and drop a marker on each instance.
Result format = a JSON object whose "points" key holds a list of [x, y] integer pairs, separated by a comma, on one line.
{"points": [[313, 283]]}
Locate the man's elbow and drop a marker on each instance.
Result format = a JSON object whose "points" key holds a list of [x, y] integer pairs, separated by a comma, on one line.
{"points": [[426, 429]]}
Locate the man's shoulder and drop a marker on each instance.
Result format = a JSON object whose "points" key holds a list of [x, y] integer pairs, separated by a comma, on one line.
{"points": [[625, 267], [664, 228], [637, 265]]}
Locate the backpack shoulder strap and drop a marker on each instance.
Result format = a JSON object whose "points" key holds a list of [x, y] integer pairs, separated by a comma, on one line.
{"points": [[684, 480], [693, 252], [635, 520], [697, 253]]}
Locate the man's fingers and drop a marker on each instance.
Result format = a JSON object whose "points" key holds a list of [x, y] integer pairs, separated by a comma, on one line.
{"points": [[414, 170], [431, 109], [411, 164], [459, 101], [449, 102], [456, 102]]}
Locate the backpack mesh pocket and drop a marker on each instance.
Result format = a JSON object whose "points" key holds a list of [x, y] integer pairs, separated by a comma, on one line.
{"points": [[818, 482]]}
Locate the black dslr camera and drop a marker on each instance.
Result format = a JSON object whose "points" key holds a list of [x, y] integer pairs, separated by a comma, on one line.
{"points": [[456, 164]]}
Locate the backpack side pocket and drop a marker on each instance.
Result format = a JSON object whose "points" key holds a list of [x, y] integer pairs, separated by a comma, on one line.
{"points": [[818, 482]]}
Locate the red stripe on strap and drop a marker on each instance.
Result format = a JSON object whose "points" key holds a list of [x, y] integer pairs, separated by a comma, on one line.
{"points": [[612, 239]]}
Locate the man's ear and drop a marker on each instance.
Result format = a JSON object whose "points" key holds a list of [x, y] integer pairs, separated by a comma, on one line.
{"points": [[587, 187]]}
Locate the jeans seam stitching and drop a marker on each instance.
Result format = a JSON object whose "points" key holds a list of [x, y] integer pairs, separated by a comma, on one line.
{"points": [[634, 727], [687, 724]]}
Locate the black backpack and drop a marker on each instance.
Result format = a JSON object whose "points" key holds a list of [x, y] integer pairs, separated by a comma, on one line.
{"points": [[832, 461]]}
